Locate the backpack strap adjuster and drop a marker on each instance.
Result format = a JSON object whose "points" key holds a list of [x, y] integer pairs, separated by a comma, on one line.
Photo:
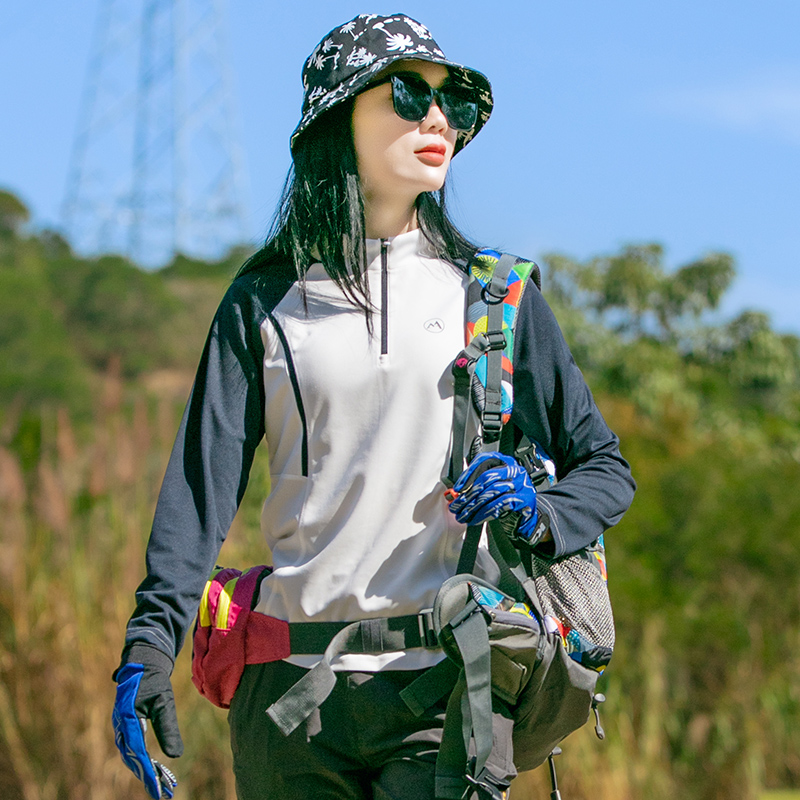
{"points": [[488, 785], [494, 293], [427, 633], [462, 616], [492, 425], [497, 340]]}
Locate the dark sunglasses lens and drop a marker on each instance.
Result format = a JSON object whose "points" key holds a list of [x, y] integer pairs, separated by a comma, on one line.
{"points": [[460, 107], [411, 97]]}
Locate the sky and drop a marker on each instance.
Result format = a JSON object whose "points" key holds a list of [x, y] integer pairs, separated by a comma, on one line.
{"points": [[615, 123]]}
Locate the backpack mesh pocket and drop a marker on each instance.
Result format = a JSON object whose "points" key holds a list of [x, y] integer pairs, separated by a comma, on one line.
{"points": [[574, 594]]}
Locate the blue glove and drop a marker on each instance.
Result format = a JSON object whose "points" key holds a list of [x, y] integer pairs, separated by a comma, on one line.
{"points": [[492, 486], [144, 692]]}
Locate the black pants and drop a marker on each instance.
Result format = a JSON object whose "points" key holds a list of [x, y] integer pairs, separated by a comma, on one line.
{"points": [[363, 743]]}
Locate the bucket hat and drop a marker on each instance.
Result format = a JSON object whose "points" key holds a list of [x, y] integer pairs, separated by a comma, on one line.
{"points": [[353, 54]]}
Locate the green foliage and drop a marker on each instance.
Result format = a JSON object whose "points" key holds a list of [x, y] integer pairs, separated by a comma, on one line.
{"points": [[183, 266], [753, 355], [38, 361], [631, 292], [114, 310], [641, 333], [703, 568], [64, 319], [13, 213], [709, 549], [695, 288]]}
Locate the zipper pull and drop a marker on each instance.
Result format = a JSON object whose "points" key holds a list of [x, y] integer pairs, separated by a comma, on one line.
{"points": [[598, 728]]}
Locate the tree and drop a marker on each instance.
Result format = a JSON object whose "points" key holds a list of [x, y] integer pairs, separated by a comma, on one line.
{"points": [[13, 214], [632, 293], [114, 309]]}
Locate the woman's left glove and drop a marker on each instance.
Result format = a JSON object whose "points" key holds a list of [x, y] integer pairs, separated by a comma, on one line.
{"points": [[494, 485], [144, 692]]}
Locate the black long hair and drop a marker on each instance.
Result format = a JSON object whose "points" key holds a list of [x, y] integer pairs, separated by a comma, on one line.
{"points": [[320, 216]]}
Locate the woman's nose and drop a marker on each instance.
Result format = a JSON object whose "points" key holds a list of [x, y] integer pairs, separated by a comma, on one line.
{"points": [[435, 120]]}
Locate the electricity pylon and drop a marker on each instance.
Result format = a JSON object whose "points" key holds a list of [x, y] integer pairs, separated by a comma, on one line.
{"points": [[156, 166]]}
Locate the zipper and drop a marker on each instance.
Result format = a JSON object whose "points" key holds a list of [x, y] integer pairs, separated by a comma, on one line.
{"points": [[384, 297]]}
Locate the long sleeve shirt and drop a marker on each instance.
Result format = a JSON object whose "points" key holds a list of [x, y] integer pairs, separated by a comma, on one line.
{"points": [[358, 428]]}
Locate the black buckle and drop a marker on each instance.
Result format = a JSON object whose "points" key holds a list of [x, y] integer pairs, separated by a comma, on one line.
{"points": [[492, 425], [427, 633], [497, 340]]}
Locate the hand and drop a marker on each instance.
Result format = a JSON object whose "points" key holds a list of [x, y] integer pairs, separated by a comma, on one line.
{"points": [[144, 692], [492, 486]]}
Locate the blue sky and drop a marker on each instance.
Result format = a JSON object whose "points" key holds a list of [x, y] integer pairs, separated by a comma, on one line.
{"points": [[614, 123]]}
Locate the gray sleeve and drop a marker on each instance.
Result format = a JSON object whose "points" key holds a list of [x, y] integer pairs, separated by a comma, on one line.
{"points": [[554, 406], [207, 473]]}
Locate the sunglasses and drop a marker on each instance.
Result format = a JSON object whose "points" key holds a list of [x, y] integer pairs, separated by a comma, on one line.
{"points": [[412, 97]]}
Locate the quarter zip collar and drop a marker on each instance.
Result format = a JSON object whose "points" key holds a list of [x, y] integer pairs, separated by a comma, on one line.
{"points": [[400, 248], [389, 256]]}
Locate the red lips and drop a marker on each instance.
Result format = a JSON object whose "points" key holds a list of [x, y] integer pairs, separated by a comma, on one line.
{"points": [[433, 155], [433, 148]]}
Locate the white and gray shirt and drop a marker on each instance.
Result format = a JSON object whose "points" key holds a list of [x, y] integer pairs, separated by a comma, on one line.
{"points": [[358, 429]]}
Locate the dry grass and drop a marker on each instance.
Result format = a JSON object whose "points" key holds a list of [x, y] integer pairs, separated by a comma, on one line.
{"points": [[74, 529], [73, 537]]}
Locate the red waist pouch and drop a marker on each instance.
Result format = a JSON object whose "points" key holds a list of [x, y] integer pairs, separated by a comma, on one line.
{"points": [[228, 634]]}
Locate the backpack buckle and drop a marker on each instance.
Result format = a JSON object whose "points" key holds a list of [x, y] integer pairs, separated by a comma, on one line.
{"points": [[492, 425], [427, 633], [488, 786], [462, 616], [496, 339]]}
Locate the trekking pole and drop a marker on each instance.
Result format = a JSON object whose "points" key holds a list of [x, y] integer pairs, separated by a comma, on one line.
{"points": [[555, 794]]}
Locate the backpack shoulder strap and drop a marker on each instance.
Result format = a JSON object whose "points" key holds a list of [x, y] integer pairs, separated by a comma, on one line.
{"points": [[484, 370], [493, 297]]}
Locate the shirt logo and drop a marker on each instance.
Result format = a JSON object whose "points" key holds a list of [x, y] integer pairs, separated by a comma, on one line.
{"points": [[434, 325]]}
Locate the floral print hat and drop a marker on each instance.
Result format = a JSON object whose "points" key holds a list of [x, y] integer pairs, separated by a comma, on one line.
{"points": [[351, 55]]}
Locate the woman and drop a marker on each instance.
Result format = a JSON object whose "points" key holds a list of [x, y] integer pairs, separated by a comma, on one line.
{"points": [[336, 342]]}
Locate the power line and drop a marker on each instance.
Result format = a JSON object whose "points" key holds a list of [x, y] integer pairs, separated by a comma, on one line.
{"points": [[156, 166]]}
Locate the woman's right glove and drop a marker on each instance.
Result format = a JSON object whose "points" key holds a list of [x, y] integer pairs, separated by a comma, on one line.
{"points": [[144, 692], [492, 486]]}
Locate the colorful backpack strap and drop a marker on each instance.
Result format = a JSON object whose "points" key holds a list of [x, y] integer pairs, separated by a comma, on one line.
{"points": [[493, 296], [483, 371]]}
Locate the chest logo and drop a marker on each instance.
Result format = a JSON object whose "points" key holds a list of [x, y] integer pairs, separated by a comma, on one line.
{"points": [[434, 325]]}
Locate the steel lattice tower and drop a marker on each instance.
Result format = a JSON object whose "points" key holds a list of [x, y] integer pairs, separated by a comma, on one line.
{"points": [[156, 167]]}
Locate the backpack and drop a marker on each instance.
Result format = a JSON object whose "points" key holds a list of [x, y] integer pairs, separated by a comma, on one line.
{"points": [[532, 642]]}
